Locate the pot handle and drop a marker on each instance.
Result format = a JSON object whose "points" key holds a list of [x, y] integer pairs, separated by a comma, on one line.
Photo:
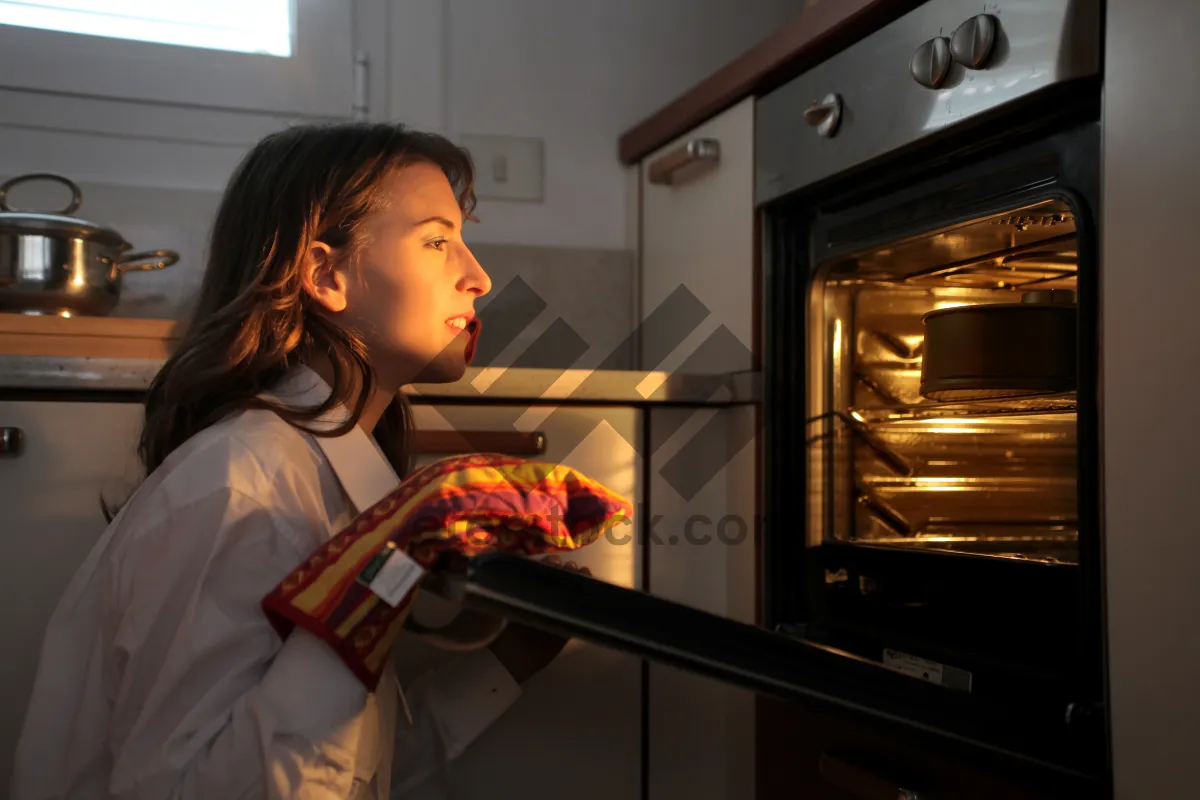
{"points": [[76, 194], [154, 259]]}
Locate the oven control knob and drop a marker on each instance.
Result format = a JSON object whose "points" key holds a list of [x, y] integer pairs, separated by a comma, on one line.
{"points": [[931, 63], [972, 43], [826, 115]]}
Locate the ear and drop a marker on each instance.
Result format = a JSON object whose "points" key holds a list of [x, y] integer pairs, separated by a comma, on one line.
{"points": [[324, 277]]}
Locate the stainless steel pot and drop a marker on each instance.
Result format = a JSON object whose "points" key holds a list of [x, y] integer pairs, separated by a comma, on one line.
{"points": [[978, 352], [52, 263]]}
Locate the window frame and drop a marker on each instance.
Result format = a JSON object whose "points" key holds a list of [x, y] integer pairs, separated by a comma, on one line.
{"points": [[317, 80]]}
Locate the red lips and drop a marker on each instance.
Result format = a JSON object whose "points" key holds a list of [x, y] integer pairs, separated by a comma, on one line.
{"points": [[473, 328]]}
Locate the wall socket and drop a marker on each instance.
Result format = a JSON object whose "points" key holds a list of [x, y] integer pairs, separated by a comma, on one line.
{"points": [[506, 167]]}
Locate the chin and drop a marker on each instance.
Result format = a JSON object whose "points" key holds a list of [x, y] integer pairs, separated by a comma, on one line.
{"points": [[445, 369]]}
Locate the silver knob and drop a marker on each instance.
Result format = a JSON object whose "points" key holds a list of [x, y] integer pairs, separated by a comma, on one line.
{"points": [[931, 63], [826, 115], [972, 43]]}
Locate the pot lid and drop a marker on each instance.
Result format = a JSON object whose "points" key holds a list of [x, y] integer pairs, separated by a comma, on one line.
{"points": [[55, 223]]}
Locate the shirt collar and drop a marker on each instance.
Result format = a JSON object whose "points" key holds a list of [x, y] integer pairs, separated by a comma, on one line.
{"points": [[361, 467]]}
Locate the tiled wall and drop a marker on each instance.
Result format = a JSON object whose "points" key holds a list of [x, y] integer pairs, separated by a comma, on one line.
{"points": [[587, 301], [590, 290]]}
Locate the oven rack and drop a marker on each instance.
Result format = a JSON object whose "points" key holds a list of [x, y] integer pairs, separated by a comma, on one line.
{"points": [[859, 422], [998, 406], [1018, 267]]}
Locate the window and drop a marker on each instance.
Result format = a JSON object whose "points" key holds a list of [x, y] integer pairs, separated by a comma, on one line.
{"points": [[243, 26], [279, 57]]}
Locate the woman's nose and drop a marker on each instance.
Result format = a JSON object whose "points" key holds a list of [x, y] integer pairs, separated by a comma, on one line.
{"points": [[474, 279]]}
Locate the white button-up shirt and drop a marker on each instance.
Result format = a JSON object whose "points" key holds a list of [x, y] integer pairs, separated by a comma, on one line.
{"points": [[160, 676]]}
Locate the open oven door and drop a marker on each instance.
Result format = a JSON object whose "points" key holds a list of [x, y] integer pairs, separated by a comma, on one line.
{"points": [[756, 659]]}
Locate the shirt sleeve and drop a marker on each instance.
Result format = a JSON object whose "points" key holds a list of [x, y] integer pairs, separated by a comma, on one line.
{"points": [[206, 702], [450, 708]]}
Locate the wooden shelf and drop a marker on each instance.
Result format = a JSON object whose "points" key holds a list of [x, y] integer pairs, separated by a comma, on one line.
{"points": [[87, 337]]}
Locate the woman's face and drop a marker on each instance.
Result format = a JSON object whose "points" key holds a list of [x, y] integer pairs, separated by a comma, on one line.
{"points": [[410, 292]]}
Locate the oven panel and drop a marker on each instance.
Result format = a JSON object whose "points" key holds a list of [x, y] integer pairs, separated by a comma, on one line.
{"points": [[945, 62], [950, 530]]}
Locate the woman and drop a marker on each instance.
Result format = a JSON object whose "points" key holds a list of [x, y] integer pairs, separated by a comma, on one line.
{"points": [[337, 273]]}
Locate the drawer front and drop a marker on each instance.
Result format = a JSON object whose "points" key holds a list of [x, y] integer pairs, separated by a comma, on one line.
{"points": [[599, 442], [587, 689], [702, 554], [697, 271], [821, 755]]}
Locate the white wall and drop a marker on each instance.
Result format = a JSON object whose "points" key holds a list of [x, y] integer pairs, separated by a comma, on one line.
{"points": [[456, 66], [613, 64]]}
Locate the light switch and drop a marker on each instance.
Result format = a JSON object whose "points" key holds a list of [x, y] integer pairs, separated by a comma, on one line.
{"points": [[506, 167]]}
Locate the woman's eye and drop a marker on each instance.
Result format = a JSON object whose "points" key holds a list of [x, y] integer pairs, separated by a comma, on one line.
{"points": [[438, 244]]}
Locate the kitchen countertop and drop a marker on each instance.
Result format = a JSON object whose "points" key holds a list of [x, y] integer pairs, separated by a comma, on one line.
{"points": [[481, 384], [822, 30]]}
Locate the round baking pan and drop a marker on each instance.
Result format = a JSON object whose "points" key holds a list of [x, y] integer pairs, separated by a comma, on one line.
{"points": [[990, 350]]}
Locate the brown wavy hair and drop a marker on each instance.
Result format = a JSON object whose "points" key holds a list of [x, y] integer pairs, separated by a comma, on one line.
{"points": [[253, 319]]}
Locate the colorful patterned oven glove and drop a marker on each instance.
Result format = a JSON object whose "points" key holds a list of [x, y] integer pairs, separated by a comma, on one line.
{"points": [[356, 591]]}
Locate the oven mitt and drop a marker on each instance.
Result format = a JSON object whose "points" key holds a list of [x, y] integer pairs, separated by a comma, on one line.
{"points": [[356, 591]]}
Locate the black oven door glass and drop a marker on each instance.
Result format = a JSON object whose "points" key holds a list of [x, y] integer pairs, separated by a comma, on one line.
{"points": [[756, 659]]}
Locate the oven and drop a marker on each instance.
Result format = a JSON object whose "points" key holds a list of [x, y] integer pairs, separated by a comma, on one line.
{"points": [[931, 293], [930, 491]]}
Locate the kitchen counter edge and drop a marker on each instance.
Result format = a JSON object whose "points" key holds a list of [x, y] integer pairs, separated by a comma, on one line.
{"points": [[480, 384]]}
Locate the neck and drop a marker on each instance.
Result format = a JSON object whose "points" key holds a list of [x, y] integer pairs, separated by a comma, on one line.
{"points": [[382, 393]]}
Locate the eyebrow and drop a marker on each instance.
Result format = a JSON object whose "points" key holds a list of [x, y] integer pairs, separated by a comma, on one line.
{"points": [[440, 220]]}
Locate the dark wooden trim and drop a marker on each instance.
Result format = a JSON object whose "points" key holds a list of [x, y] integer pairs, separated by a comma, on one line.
{"points": [[756, 297], [643, 545], [807, 40], [514, 443], [17, 394]]}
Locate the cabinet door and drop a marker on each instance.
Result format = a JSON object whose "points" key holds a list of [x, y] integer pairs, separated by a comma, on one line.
{"points": [[698, 306], [50, 494], [584, 711], [697, 232], [702, 554]]}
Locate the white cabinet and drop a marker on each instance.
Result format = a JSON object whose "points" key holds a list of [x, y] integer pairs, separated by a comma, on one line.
{"points": [[50, 495], [697, 231], [584, 712]]}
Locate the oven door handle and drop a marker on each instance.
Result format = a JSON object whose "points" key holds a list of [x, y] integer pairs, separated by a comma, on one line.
{"points": [[860, 783], [452, 442]]}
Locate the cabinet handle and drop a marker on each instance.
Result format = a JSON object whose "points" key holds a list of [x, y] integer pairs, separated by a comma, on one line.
{"points": [[860, 783], [11, 440], [662, 171], [513, 443]]}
